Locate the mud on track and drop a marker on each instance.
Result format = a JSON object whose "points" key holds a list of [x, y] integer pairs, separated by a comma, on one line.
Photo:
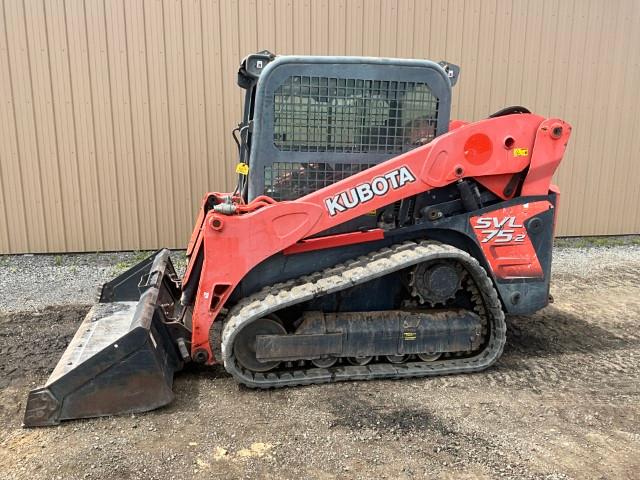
{"points": [[563, 402]]}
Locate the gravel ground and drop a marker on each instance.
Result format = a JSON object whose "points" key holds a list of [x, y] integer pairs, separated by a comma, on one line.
{"points": [[563, 402], [34, 282]]}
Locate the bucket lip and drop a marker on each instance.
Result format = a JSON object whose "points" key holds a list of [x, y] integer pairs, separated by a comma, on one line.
{"points": [[42, 408], [45, 405]]}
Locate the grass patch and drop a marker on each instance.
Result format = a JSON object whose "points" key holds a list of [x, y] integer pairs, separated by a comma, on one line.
{"points": [[137, 257], [121, 266], [602, 242]]}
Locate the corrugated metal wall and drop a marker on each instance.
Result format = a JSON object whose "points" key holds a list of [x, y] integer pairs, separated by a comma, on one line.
{"points": [[115, 115]]}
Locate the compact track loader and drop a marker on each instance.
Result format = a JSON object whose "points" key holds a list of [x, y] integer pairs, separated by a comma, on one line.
{"points": [[369, 237]]}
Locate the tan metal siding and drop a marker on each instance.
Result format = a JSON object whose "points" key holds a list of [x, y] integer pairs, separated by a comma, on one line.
{"points": [[116, 114]]}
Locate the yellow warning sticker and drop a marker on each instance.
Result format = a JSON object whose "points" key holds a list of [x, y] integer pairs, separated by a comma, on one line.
{"points": [[409, 335], [242, 169], [520, 152]]}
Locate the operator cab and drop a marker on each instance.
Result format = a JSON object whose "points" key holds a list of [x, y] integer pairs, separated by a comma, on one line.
{"points": [[311, 121]]}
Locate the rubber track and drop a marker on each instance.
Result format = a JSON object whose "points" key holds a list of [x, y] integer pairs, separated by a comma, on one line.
{"points": [[355, 272]]}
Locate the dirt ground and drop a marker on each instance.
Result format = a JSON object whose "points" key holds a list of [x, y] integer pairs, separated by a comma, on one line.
{"points": [[563, 402]]}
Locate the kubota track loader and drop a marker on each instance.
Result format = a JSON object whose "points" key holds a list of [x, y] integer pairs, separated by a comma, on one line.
{"points": [[369, 237]]}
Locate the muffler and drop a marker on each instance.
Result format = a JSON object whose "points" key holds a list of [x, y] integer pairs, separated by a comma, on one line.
{"points": [[123, 357]]}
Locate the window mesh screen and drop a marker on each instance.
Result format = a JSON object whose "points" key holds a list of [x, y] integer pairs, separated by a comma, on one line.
{"points": [[288, 181], [322, 114]]}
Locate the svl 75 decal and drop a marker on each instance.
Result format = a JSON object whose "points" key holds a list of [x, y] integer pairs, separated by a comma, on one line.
{"points": [[500, 230]]}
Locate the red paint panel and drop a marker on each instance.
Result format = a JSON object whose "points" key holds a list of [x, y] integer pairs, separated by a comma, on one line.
{"points": [[334, 241], [505, 241], [551, 141]]}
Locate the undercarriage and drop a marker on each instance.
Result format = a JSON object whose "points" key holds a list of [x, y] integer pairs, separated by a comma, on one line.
{"points": [[407, 342]]}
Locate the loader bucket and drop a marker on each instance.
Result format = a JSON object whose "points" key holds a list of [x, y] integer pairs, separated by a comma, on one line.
{"points": [[123, 356]]}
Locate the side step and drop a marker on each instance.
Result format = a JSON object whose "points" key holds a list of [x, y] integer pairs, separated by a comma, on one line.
{"points": [[123, 356]]}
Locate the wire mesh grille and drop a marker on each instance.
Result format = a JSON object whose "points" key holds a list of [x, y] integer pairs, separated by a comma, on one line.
{"points": [[288, 181], [323, 114]]}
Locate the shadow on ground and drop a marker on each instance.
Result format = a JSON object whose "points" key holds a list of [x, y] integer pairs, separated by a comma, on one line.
{"points": [[556, 332]]}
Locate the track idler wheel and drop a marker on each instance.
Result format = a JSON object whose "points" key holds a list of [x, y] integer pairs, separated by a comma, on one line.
{"points": [[326, 362], [397, 358], [359, 361], [429, 357], [245, 344]]}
